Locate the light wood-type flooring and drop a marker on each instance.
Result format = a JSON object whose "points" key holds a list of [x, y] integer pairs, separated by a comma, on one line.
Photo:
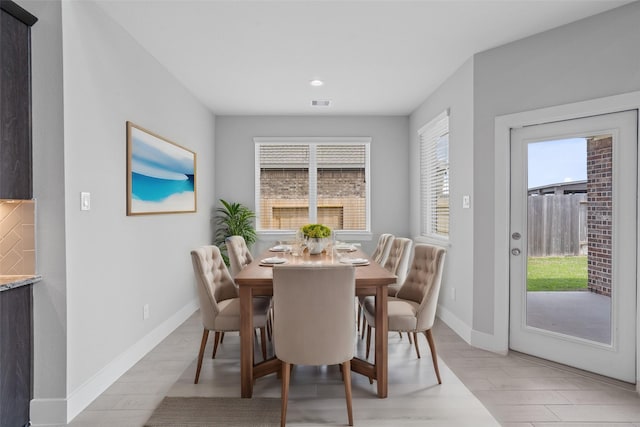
{"points": [[479, 388]]}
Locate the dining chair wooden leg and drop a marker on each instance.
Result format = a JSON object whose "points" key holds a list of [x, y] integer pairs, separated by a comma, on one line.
{"points": [[359, 317], [368, 341], [286, 374], [415, 342], [263, 342], [269, 327], [216, 340], [410, 340], [221, 337], [434, 356], [203, 344], [346, 375]]}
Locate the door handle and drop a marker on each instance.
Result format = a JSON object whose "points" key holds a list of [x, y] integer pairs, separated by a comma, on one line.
{"points": [[515, 251]]}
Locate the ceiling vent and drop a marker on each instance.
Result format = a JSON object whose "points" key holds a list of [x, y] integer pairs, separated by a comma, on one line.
{"points": [[320, 103]]}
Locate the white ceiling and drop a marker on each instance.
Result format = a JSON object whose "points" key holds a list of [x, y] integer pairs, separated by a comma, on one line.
{"points": [[376, 57]]}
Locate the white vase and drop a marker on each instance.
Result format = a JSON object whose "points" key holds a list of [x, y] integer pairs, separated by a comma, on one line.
{"points": [[316, 245]]}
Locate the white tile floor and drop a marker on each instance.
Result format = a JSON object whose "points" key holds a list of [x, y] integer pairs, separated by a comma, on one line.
{"points": [[518, 390]]}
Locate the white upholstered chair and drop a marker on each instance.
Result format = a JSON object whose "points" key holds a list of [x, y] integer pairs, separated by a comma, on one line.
{"points": [[313, 314], [219, 302], [239, 254], [413, 309]]}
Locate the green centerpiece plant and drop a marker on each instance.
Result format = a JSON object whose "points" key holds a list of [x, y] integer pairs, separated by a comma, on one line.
{"points": [[318, 231], [316, 236]]}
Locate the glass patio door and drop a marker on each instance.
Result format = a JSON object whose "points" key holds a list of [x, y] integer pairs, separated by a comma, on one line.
{"points": [[573, 243]]}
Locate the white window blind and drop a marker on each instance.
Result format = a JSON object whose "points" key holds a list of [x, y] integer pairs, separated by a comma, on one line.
{"points": [[434, 177], [312, 182]]}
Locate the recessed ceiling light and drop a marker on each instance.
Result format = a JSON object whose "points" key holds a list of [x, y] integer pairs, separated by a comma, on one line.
{"points": [[316, 82]]}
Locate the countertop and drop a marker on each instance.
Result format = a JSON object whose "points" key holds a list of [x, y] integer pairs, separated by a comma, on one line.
{"points": [[10, 282]]}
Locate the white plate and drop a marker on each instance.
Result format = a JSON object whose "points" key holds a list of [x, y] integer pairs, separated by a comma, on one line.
{"points": [[355, 261], [272, 261], [280, 248], [346, 248]]}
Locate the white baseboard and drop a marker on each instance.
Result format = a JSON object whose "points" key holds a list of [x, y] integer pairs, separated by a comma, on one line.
{"points": [[58, 412], [475, 338], [489, 342], [48, 412], [455, 323]]}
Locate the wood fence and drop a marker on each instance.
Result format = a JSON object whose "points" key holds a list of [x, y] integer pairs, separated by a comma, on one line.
{"points": [[557, 225]]}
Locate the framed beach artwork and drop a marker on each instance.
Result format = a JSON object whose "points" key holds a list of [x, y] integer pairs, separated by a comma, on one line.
{"points": [[161, 175]]}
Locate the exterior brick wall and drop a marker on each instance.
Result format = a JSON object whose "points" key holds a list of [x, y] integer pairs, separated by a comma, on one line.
{"points": [[341, 198], [599, 213]]}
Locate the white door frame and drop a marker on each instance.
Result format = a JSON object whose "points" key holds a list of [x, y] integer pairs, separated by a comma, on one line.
{"points": [[503, 126]]}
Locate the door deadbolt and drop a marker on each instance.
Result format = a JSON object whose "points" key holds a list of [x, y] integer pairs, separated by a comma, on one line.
{"points": [[516, 236], [515, 251]]}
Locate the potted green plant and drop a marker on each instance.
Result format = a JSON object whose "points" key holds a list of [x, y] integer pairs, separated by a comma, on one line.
{"points": [[316, 236], [234, 219]]}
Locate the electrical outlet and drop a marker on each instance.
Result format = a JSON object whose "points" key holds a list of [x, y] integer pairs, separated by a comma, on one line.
{"points": [[466, 201], [145, 312]]}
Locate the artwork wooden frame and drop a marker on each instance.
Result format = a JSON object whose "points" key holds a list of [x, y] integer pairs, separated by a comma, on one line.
{"points": [[161, 175]]}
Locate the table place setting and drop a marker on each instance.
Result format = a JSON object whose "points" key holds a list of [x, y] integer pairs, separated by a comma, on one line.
{"points": [[354, 261], [280, 248], [270, 262], [345, 247]]}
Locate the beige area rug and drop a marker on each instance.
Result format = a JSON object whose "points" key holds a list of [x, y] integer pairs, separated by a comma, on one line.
{"points": [[215, 411]]}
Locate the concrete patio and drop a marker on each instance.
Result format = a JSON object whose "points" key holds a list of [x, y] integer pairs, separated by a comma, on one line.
{"points": [[577, 313]]}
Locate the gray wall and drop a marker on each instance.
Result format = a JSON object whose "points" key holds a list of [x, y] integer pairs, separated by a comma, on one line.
{"points": [[234, 170], [49, 296], [592, 58], [457, 95], [99, 266]]}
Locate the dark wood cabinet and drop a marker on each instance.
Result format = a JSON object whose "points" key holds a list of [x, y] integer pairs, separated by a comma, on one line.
{"points": [[15, 102], [16, 342], [16, 324]]}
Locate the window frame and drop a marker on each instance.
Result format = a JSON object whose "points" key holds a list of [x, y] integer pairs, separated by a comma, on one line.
{"points": [[427, 208], [315, 142]]}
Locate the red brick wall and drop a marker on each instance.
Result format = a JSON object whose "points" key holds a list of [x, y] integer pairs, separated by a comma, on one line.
{"points": [[599, 213], [341, 198]]}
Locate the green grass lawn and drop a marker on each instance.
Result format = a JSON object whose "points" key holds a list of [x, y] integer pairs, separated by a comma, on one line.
{"points": [[557, 273]]}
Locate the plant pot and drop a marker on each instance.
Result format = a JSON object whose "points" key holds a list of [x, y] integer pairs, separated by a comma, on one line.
{"points": [[316, 245]]}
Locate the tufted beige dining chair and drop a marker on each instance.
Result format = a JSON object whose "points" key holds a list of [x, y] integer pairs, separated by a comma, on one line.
{"points": [[381, 252], [239, 258], [319, 299], [219, 302], [239, 254], [397, 262], [379, 255], [413, 309]]}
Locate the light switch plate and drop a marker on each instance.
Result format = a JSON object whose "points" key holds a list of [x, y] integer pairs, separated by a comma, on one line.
{"points": [[85, 201], [466, 201]]}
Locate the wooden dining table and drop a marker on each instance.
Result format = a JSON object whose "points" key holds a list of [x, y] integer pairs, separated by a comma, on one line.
{"points": [[257, 280]]}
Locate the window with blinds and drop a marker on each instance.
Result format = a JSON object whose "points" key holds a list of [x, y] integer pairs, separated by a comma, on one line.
{"points": [[434, 177], [312, 182]]}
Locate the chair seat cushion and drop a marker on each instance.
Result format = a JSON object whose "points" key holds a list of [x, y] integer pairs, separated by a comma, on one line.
{"points": [[402, 313], [228, 319]]}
